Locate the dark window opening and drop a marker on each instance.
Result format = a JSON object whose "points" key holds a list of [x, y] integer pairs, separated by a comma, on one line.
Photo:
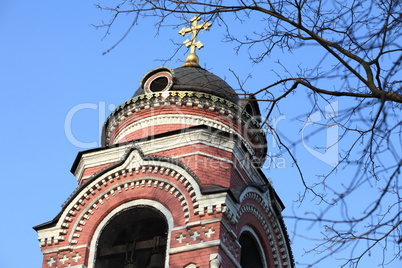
{"points": [[133, 238], [250, 255], [159, 84], [249, 110]]}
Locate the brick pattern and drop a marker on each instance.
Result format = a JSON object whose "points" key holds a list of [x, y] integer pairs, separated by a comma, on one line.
{"points": [[152, 116], [149, 131], [183, 103], [257, 212], [230, 241], [160, 123], [204, 226], [65, 258], [157, 182], [195, 235], [222, 166], [199, 257], [93, 170], [95, 196]]}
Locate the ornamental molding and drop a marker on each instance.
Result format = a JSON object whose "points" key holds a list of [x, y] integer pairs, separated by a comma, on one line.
{"points": [[174, 118], [270, 223], [67, 259], [115, 154], [154, 174], [200, 245], [90, 209], [178, 98], [99, 158], [230, 245]]}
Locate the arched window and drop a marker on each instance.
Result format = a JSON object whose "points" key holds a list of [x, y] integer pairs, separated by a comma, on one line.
{"points": [[250, 256], [135, 237]]}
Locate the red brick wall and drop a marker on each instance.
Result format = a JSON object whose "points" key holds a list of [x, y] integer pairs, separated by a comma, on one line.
{"points": [[199, 257], [166, 110]]}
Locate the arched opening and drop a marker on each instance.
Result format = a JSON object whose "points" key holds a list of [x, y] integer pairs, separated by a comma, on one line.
{"points": [[134, 238], [250, 256]]}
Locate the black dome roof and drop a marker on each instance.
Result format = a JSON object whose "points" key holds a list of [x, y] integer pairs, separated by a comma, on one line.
{"points": [[193, 79]]}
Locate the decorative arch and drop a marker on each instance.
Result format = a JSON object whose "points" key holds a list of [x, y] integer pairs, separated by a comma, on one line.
{"points": [[134, 172], [128, 187], [258, 203]]}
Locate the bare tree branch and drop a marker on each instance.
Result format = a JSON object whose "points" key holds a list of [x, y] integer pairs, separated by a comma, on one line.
{"points": [[358, 61]]}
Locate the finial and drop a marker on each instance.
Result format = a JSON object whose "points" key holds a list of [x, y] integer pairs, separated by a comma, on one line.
{"points": [[192, 58]]}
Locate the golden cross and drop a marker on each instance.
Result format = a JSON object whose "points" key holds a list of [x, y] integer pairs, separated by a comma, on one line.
{"points": [[192, 58]]}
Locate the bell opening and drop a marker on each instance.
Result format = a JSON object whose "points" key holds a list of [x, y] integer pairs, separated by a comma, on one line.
{"points": [[134, 238]]}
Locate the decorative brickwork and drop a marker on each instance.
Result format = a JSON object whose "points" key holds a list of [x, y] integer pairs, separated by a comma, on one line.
{"points": [[221, 114], [184, 161]]}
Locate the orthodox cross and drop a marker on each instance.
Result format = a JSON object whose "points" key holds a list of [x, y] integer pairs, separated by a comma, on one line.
{"points": [[192, 58]]}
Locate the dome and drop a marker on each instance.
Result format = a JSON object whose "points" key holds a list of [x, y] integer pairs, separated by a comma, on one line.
{"points": [[186, 79]]}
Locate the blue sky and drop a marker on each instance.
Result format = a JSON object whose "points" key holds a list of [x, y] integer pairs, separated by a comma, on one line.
{"points": [[50, 63]]}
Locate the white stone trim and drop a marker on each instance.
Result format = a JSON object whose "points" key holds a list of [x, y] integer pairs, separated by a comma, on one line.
{"points": [[128, 205], [185, 119], [173, 118], [203, 222], [202, 245], [230, 256], [59, 249], [115, 154], [99, 158], [207, 139], [126, 185], [177, 99], [112, 155], [215, 260], [197, 223], [274, 232], [231, 212], [134, 163], [206, 155], [44, 235], [187, 138], [207, 204]]}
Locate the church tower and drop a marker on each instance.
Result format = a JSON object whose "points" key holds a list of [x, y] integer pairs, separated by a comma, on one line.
{"points": [[176, 183]]}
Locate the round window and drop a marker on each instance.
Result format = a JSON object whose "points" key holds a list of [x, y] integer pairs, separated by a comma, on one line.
{"points": [[161, 81]]}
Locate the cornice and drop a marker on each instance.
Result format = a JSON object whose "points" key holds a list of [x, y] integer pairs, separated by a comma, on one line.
{"points": [[168, 142], [108, 183], [179, 98]]}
